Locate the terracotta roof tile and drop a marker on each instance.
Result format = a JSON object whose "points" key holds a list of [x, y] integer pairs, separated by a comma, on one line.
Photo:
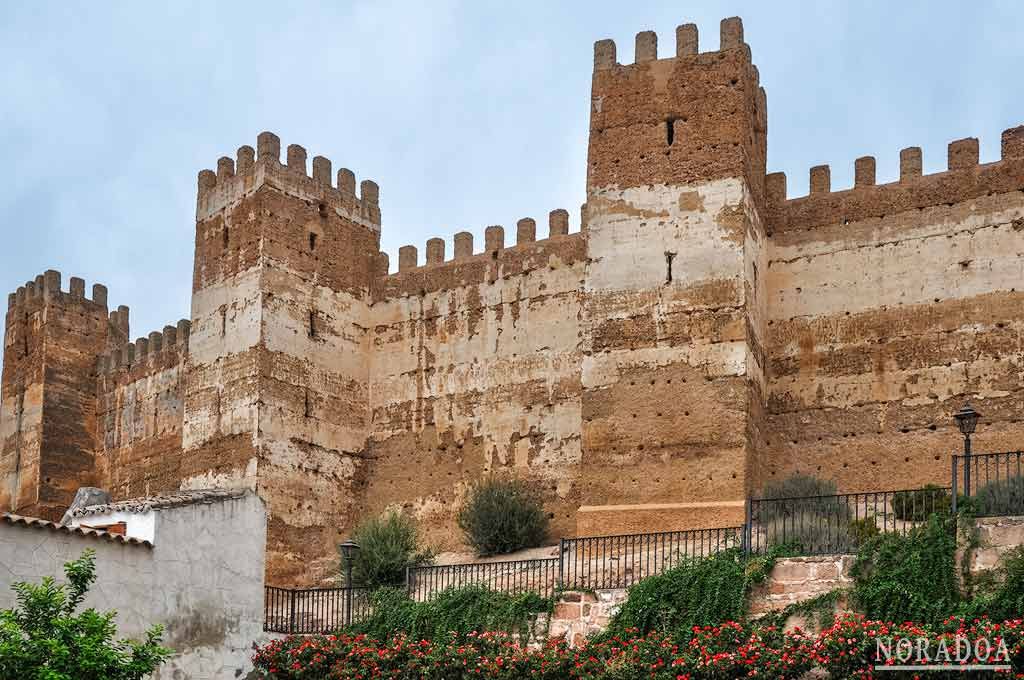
{"points": [[35, 522]]}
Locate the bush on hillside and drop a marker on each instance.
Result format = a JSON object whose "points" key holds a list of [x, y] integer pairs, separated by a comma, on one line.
{"points": [[1001, 497], [502, 516], [388, 544], [799, 495]]}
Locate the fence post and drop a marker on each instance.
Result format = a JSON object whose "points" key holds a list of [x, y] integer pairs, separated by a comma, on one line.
{"points": [[748, 533], [561, 563], [408, 581], [291, 611], [955, 480]]}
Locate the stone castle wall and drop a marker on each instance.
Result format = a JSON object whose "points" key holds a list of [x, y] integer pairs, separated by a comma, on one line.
{"points": [[700, 335], [890, 305]]}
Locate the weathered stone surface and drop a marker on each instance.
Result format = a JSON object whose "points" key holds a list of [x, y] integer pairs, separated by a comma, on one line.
{"points": [[703, 334]]}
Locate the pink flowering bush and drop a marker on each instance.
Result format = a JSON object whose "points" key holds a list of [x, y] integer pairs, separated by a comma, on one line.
{"points": [[847, 649]]}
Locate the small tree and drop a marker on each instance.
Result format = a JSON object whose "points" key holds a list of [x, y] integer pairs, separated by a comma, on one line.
{"points": [[388, 544], [503, 515], [43, 638]]}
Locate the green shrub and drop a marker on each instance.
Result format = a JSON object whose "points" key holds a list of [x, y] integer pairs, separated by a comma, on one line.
{"points": [[388, 544], [459, 610], [798, 496], [799, 486], [1003, 598], [502, 516], [703, 591], [917, 505], [909, 577], [1001, 497], [863, 529], [44, 638]]}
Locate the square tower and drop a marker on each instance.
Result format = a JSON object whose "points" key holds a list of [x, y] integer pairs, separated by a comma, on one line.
{"points": [[52, 340], [673, 374], [276, 394]]}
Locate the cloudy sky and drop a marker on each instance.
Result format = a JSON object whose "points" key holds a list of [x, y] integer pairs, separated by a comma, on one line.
{"points": [[465, 113]]}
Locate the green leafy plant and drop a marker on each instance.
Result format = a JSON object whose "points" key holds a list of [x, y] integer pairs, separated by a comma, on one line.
{"points": [[703, 591], [863, 529], [388, 544], [502, 516], [799, 486], [45, 638], [1000, 497], [909, 577], [917, 505], [456, 610], [1002, 596], [804, 512]]}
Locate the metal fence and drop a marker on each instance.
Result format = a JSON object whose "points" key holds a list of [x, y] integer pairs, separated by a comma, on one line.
{"points": [[313, 610], [821, 525], [512, 576], [597, 562], [992, 484]]}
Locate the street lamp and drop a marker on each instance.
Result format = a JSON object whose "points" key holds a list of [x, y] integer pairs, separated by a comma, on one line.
{"points": [[967, 420], [348, 555]]}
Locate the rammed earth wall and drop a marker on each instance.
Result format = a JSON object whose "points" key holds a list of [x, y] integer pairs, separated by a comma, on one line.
{"points": [[699, 335]]}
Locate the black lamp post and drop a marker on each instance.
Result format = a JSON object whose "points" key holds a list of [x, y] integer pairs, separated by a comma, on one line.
{"points": [[967, 420], [348, 554]]}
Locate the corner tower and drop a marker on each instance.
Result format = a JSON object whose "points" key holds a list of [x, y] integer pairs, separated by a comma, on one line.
{"points": [[673, 372], [52, 339], [276, 398]]}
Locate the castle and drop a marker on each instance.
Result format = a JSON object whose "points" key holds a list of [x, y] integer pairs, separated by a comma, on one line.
{"points": [[701, 334]]}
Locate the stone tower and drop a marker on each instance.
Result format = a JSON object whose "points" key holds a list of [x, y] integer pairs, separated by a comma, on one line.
{"points": [[276, 397], [674, 374], [48, 414]]}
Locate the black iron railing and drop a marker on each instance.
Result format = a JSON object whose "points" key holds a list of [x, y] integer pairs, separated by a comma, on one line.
{"points": [[511, 576], [821, 525], [991, 483], [313, 610], [597, 562]]}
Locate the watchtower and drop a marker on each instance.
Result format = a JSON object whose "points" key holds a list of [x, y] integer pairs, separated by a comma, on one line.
{"points": [[673, 375], [52, 339], [277, 390]]}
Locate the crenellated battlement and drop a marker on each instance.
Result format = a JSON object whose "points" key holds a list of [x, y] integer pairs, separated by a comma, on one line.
{"points": [[495, 261], [156, 348], [965, 178], [687, 45], [686, 119], [819, 338], [494, 242], [46, 287], [252, 168]]}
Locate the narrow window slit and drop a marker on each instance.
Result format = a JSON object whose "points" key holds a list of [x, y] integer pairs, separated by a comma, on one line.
{"points": [[670, 130], [312, 323], [668, 266], [312, 241]]}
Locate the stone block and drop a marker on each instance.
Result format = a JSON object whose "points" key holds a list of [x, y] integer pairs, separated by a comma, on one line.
{"points": [[566, 611]]}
